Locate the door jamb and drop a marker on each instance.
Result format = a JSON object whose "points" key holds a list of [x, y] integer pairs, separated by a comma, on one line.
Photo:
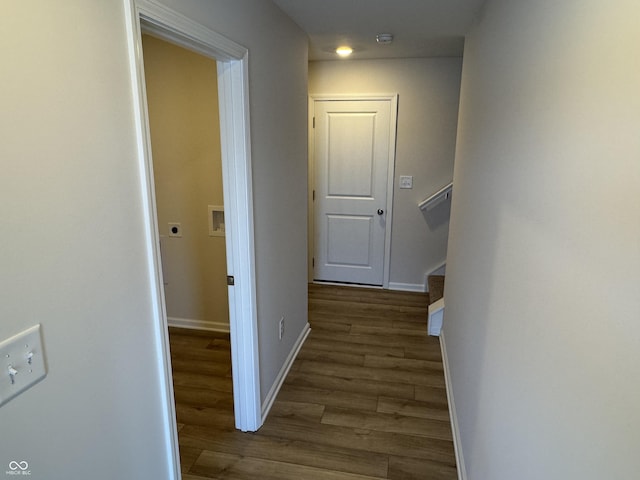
{"points": [[232, 63], [393, 99]]}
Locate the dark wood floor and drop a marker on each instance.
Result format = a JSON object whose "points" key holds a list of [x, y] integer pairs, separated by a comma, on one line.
{"points": [[365, 398]]}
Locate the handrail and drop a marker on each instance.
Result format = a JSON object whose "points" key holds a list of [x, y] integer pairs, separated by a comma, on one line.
{"points": [[440, 196]]}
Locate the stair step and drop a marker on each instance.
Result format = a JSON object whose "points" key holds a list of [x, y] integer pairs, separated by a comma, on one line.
{"points": [[436, 288]]}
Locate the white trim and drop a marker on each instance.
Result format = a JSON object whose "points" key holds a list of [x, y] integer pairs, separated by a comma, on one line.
{"points": [[194, 324], [311, 185], [407, 287], [391, 173], [165, 23], [439, 270], [353, 96], [152, 240], [233, 88], [284, 371], [391, 169], [457, 445], [435, 318], [437, 198]]}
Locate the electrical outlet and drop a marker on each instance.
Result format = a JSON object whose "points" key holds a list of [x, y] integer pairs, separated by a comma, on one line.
{"points": [[175, 230], [281, 328]]}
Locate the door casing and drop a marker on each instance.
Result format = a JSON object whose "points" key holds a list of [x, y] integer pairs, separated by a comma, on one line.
{"points": [[232, 63], [393, 99]]}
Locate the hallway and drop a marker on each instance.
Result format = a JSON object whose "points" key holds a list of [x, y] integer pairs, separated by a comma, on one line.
{"points": [[365, 398]]}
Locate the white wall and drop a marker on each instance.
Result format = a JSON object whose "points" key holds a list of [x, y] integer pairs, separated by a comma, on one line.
{"points": [[72, 249], [428, 99], [278, 102], [543, 277]]}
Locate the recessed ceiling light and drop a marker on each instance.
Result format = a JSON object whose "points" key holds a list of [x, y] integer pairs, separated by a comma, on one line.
{"points": [[344, 51], [384, 38]]}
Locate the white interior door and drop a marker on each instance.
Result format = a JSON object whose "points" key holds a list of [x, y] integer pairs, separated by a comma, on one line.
{"points": [[354, 141]]}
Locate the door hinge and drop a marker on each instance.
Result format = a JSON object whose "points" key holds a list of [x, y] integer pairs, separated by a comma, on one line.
{"points": [[313, 262], [314, 122], [231, 280], [313, 195]]}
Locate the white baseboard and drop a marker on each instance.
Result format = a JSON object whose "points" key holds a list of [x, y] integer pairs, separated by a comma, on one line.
{"points": [[457, 445], [407, 287], [275, 388], [198, 324]]}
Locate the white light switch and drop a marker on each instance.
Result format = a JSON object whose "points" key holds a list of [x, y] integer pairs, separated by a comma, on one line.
{"points": [[22, 363], [406, 181]]}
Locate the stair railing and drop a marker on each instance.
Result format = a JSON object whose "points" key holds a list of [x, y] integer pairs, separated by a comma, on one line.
{"points": [[440, 196]]}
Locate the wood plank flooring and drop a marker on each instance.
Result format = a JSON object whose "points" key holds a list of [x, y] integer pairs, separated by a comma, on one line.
{"points": [[365, 398]]}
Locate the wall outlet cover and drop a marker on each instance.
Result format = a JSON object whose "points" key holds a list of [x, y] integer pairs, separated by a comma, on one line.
{"points": [[175, 230]]}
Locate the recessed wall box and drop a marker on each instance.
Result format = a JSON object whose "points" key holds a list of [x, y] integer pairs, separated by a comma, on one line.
{"points": [[216, 221]]}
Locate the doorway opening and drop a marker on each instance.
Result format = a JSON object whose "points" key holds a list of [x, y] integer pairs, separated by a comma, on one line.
{"points": [[182, 97], [232, 65]]}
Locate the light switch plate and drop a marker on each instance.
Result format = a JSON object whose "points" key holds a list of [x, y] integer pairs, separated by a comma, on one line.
{"points": [[406, 181], [22, 363]]}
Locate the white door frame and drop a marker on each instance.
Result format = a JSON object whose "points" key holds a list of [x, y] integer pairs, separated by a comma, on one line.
{"points": [[393, 99], [232, 63]]}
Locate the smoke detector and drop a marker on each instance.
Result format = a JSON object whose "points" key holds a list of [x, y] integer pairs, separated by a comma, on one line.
{"points": [[384, 38]]}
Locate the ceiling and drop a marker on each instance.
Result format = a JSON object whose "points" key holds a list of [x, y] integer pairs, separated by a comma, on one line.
{"points": [[421, 28]]}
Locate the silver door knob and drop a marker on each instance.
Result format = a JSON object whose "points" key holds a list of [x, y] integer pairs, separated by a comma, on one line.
{"points": [[380, 211]]}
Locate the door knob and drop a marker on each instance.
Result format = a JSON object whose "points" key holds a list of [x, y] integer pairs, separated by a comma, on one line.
{"points": [[380, 211]]}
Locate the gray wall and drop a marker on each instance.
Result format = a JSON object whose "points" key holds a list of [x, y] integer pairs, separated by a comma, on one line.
{"points": [[278, 100], [428, 95], [543, 278], [73, 254]]}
